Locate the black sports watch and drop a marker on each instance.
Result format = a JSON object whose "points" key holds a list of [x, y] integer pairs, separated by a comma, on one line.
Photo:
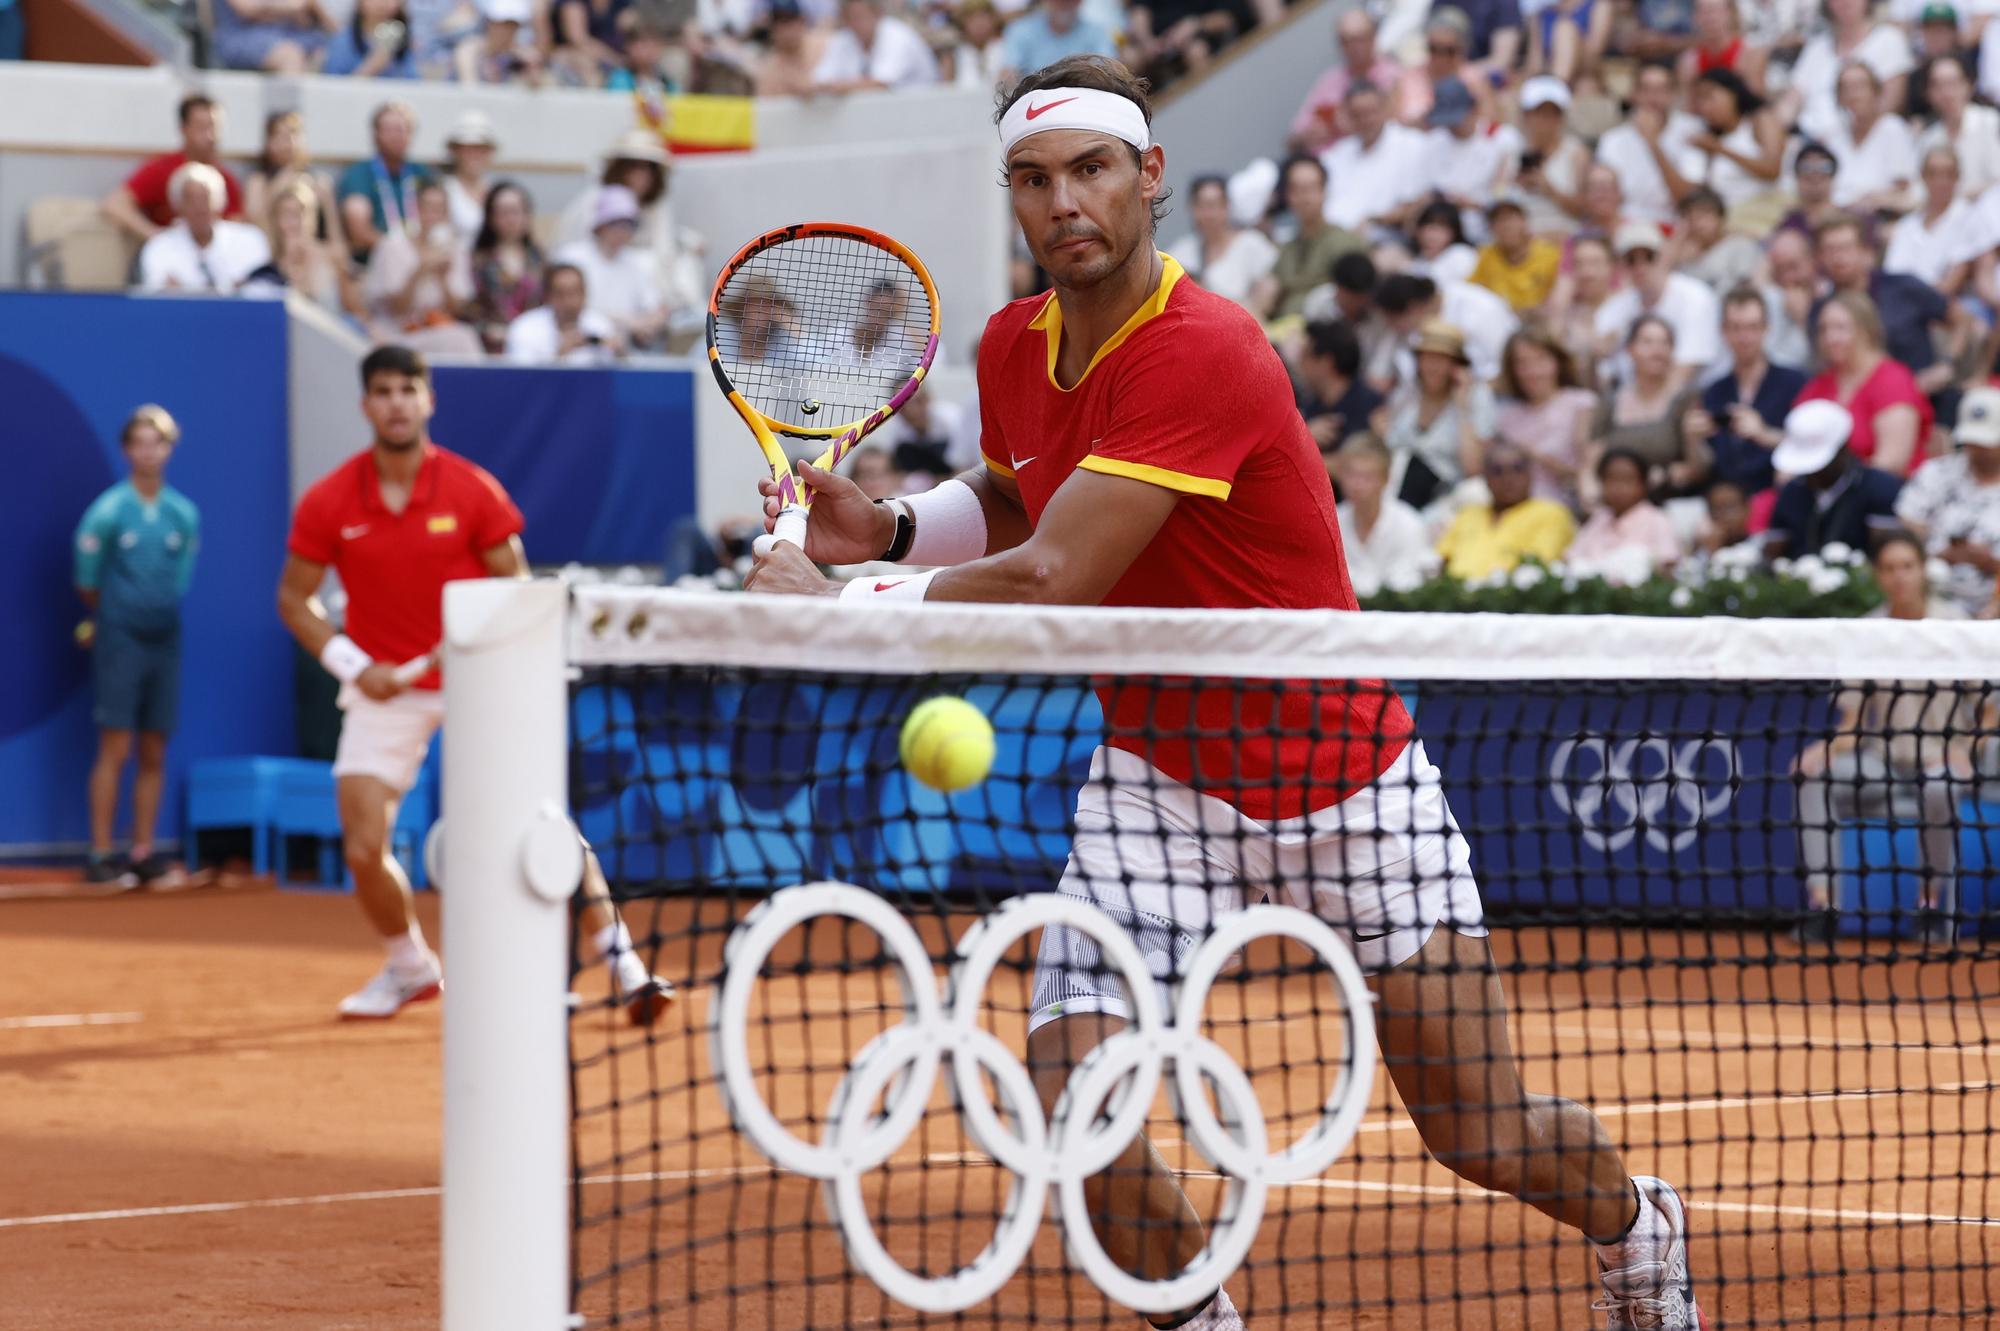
{"points": [[906, 531]]}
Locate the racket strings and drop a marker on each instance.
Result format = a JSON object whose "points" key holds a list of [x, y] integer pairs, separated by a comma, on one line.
{"points": [[820, 331]]}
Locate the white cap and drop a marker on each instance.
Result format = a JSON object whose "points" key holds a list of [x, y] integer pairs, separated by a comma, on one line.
{"points": [[507, 11], [472, 129], [1979, 418], [1639, 236], [1250, 191], [1815, 432], [1544, 90]]}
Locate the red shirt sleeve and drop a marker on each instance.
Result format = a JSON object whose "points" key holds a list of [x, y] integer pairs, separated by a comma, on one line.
{"points": [[313, 528], [495, 517], [235, 188], [993, 450], [1189, 402], [148, 186]]}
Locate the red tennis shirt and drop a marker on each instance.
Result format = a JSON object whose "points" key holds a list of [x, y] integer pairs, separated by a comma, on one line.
{"points": [[1189, 395], [395, 565], [149, 182]]}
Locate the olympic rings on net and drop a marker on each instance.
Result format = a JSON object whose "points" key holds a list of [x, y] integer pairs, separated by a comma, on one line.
{"points": [[1119, 1078]]}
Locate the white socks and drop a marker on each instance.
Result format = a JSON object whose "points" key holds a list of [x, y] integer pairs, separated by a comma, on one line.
{"points": [[407, 952], [1642, 1236], [629, 973]]}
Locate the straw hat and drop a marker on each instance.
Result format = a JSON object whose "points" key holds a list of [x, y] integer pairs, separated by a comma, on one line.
{"points": [[1444, 338]]}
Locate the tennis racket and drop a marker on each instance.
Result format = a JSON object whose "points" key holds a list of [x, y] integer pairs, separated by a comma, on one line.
{"points": [[819, 331]]}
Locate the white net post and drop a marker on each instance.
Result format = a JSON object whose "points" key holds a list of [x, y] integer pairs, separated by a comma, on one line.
{"points": [[508, 848]]}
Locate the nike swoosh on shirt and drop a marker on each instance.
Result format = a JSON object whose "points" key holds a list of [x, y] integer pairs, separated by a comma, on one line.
{"points": [[1022, 462], [349, 533], [1369, 938], [1034, 111]]}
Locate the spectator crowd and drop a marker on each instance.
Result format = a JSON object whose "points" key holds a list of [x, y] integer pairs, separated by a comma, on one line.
{"points": [[729, 47], [447, 259], [1626, 286]]}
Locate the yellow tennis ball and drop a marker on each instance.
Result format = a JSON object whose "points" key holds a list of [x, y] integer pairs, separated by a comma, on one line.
{"points": [[947, 744]]}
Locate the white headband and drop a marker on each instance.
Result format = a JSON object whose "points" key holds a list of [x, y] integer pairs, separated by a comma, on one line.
{"points": [[1074, 108]]}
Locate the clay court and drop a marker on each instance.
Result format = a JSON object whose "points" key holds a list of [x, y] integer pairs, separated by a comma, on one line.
{"points": [[193, 1142]]}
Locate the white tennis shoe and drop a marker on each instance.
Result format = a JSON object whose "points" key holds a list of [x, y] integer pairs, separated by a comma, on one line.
{"points": [[392, 990], [1645, 1274], [1219, 1315]]}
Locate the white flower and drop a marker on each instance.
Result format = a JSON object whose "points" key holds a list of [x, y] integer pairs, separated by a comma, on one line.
{"points": [[1937, 571], [1487, 582], [1744, 554], [1570, 583], [1781, 566], [1827, 581], [1681, 599], [1403, 579], [1738, 573], [1527, 576], [1807, 567], [1839, 552]]}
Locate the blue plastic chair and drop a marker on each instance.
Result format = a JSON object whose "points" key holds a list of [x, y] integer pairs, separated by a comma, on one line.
{"points": [[238, 793], [306, 806]]}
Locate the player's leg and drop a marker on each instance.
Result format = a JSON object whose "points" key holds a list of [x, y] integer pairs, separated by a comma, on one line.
{"points": [[114, 746], [382, 746], [644, 994], [1443, 1026], [1938, 792], [115, 708], [1135, 858], [1390, 867], [159, 705]]}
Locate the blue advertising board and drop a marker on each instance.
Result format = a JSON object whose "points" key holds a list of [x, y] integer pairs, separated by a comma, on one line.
{"points": [[72, 368], [1668, 800]]}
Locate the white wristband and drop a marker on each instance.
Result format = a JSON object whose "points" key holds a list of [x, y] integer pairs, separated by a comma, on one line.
{"points": [[895, 587], [343, 659], [951, 526]]}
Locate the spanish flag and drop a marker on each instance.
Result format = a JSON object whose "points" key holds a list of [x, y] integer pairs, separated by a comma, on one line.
{"points": [[697, 122]]}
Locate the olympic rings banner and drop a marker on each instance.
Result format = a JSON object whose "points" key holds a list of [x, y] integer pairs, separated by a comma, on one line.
{"points": [[1119, 1078]]}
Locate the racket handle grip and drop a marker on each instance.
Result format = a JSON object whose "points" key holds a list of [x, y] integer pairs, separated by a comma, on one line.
{"points": [[791, 526]]}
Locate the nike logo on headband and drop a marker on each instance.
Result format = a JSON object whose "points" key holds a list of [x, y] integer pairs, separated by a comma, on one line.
{"points": [[1034, 111]]}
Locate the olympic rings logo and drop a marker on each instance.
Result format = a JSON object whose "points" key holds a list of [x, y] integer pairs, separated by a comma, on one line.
{"points": [[1650, 785], [899, 1069]]}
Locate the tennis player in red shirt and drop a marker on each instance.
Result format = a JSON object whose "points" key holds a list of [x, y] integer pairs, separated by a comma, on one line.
{"points": [[1140, 447], [398, 521]]}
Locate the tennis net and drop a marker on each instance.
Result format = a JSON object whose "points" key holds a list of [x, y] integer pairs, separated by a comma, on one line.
{"points": [[845, 1121]]}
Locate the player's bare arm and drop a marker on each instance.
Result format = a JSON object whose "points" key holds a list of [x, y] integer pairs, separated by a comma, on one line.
{"points": [[1091, 531], [304, 617], [509, 559]]}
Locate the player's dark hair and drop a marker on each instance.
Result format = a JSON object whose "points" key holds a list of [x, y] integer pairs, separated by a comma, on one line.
{"points": [[393, 359], [1896, 536], [1701, 196], [1098, 72], [1333, 339], [1400, 292], [1354, 271], [1297, 159], [1446, 215], [193, 102], [1611, 455]]}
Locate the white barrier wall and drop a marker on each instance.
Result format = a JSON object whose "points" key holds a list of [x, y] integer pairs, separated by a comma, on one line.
{"points": [[78, 129]]}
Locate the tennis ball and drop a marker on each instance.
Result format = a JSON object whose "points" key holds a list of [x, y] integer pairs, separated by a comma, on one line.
{"points": [[947, 744]]}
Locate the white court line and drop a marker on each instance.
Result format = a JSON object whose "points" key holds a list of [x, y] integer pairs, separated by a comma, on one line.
{"points": [[56, 1019], [960, 1157], [1726, 1041]]}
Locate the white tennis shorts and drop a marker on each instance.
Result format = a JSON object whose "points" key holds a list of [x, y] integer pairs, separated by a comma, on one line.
{"points": [[1384, 867], [387, 740]]}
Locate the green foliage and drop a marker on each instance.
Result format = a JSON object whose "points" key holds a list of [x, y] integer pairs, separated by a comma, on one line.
{"points": [[1751, 593]]}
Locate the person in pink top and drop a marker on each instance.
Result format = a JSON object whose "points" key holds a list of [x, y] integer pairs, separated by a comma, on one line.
{"points": [[1892, 417], [1318, 122], [1627, 538]]}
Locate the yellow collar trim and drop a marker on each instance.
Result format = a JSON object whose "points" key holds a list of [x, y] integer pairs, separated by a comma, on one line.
{"points": [[1049, 320]]}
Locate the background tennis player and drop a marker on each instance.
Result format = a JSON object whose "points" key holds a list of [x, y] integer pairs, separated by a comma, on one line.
{"points": [[1140, 447], [397, 521]]}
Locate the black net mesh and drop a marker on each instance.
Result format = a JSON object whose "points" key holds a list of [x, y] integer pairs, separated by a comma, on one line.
{"points": [[819, 331], [1740, 934]]}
